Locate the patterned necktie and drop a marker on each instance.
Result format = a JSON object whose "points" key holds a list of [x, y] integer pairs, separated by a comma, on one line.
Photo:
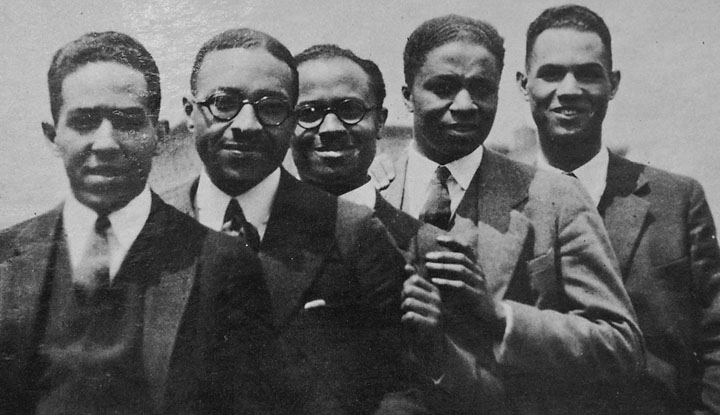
{"points": [[436, 210], [234, 223], [93, 271]]}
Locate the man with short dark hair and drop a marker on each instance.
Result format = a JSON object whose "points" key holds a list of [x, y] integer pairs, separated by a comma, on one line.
{"points": [[659, 223], [529, 275], [115, 302], [333, 273], [340, 114]]}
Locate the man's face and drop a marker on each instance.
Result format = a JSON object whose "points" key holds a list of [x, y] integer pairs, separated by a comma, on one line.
{"points": [[241, 152], [454, 100], [335, 153], [105, 134], [568, 85]]}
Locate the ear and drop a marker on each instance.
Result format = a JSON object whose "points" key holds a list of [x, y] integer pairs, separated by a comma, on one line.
{"points": [[162, 132], [188, 107], [49, 131], [521, 81], [407, 95], [615, 82], [382, 118]]}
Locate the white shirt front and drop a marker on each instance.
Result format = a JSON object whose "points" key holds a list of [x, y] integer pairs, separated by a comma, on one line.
{"points": [[125, 226], [256, 203], [592, 175], [364, 195], [420, 171]]}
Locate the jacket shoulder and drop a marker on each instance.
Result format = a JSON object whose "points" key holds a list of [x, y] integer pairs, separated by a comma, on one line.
{"points": [[39, 227]]}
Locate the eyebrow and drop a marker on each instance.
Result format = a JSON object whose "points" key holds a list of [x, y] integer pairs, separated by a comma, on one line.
{"points": [[259, 92]]}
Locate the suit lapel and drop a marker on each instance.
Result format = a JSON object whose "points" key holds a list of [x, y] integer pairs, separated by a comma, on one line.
{"points": [[623, 210], [487, 218], [165, 298], [22, 278], [395, 191], [298, 238]]}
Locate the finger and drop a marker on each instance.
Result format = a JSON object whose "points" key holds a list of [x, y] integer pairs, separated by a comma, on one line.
{"points": [[409, 270], [453, 284], [455, 272], [420, 321], [422, 308], [419, 294], [450, 257], [420, 282], [453, 244]]}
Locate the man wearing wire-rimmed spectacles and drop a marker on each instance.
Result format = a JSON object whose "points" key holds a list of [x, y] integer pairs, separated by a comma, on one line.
{"points": [[333, 273]]}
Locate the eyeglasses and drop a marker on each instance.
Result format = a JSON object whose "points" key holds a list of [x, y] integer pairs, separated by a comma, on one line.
{"points": [[270, 111], [349, 111]]}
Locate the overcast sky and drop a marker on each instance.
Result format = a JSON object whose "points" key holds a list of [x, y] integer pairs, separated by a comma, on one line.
{"points": [[667, 109]]}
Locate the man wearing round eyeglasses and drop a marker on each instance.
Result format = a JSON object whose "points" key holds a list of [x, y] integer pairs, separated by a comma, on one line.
{"points": [[332, 271], [340, 115]]}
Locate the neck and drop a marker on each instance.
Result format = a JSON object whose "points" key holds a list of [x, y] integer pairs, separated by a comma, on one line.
{"points": [[571, 154], [339, 189]]}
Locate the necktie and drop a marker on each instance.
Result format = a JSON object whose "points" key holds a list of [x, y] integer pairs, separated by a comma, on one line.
{"points": [[93, 271], [236, 224], [436, 210]]}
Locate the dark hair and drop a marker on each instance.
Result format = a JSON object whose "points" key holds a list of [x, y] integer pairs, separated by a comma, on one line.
{"points": [[569, 16], [103, 47], [439, 31], [246, 39], [326, 51]]}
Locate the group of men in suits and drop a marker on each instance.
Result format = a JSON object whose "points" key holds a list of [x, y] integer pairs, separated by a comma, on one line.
{"points": [[471, 284]]}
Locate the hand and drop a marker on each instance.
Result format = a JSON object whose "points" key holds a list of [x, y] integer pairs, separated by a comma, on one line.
{"points": [[382, 171], [470, 307], [422, 307]]}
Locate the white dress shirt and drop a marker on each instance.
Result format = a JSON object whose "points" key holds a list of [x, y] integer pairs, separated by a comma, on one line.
{"points": [[256, 203], [592, 175], [125, 226], [364, 195], [420, 171]]}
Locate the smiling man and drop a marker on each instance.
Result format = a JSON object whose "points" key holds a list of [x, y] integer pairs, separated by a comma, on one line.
{"points": [[529, 275], [659, 223], [334, 275], [115, 302]]}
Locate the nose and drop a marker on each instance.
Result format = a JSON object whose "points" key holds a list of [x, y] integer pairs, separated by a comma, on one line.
{"points": [[104, 137], [331, 123], [332, 128], [246, 120], [463, 102], [569, 85]]}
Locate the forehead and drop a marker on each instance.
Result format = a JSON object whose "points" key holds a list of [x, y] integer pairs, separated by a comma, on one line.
{"points": [[104, 84], [461, 58], [326, 79], [248, 70], [568, 47]]}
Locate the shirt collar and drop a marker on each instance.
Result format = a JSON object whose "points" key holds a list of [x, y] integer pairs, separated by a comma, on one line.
{"points": [[126, 224], [592, 175], [364, 195], [256, 203], [462, 169]]}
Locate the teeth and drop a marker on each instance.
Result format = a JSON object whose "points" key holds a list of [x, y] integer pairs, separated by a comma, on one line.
{"points": [[566, 111]]}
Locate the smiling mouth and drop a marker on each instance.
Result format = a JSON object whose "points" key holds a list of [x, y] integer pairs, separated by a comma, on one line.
{"points": [[571, 111]]}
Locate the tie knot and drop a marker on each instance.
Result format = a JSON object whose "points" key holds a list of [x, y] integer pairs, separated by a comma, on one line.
{"points": [[102, 224], [442, 173], [233, 211]]}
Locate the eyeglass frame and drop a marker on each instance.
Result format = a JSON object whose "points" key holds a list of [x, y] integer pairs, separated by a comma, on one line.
{"points": [[331, 109], [243, 102]]}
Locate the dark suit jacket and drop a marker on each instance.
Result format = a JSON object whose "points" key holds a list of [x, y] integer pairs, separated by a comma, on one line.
{"points": [[663, 233], [345, 356], [545, 252], [204, 287]]}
